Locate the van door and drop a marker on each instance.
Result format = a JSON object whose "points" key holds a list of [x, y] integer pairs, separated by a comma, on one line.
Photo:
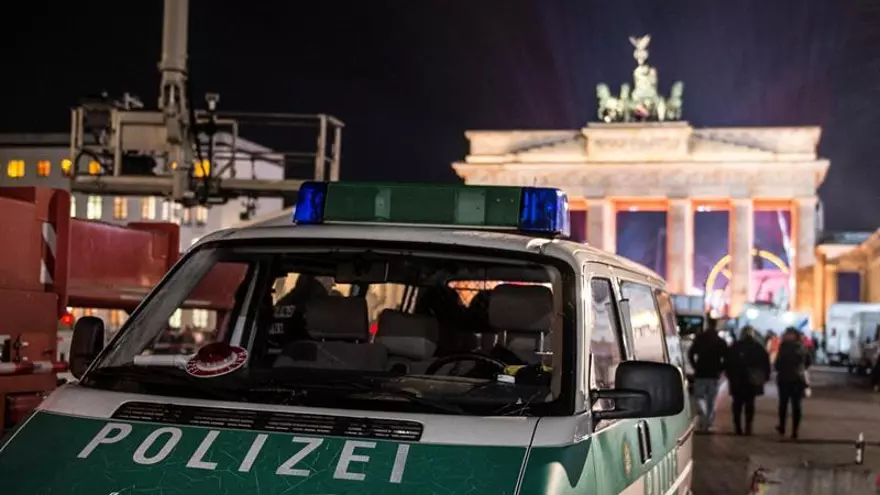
{"points": [[617, 445], [684, 440], [661, 436]]}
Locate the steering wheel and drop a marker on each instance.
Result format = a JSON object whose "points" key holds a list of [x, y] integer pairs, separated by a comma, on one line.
{"points": [[470, 356]]}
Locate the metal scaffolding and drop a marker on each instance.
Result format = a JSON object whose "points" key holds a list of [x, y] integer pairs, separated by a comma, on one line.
{"points": [[185, 154]]}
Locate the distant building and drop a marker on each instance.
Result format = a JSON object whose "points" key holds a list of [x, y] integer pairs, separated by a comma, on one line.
{"points": [[847, 269], [44, 160]]}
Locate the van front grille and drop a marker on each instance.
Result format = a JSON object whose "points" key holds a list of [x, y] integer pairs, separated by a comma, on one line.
{"points": [[271, 421]]}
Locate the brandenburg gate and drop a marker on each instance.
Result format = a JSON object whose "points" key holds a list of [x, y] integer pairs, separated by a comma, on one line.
{"points": [[641, 156]]}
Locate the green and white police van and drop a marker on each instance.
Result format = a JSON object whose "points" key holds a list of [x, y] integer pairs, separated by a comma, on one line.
{"points": [[389, 339]]}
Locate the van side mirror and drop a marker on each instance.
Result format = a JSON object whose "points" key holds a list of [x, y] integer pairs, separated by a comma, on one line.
{"points": [[87, 343], [643, 389]]}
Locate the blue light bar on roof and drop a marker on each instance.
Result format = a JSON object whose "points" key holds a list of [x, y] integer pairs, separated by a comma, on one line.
{"points": [[544, 209], [310, 203], [535, 210]]}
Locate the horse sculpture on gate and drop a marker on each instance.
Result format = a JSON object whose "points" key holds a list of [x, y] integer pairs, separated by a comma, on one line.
{"points": [[643, 103]]}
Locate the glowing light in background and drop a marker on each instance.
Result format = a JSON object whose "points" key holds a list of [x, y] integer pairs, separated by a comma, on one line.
{"points": [[717, 298]]}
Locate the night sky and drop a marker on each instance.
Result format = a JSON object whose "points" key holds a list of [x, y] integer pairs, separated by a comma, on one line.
{"points": [[409, 77]]}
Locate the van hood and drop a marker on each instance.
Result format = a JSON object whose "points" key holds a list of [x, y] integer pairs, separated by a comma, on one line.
{"points": [[119, 444]]}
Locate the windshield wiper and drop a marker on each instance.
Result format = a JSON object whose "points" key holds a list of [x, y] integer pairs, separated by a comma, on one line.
{"points": [[156, 375], [373, 386], [520, 407]]}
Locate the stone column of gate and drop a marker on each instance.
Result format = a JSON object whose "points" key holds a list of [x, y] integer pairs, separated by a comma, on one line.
{"points": [[680, 245], [602, 224], [742, 234], [805, 244], [805, 249], [819, 283]]}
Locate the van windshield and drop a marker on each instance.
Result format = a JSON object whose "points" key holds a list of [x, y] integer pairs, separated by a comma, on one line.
{"points": [[354, 327]]}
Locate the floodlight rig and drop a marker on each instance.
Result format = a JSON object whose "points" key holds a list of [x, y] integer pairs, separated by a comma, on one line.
{"points": [[120, 148]]}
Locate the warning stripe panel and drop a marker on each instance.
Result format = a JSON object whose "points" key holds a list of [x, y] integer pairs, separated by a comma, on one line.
{"points": [[32, 367], [49, 248]]}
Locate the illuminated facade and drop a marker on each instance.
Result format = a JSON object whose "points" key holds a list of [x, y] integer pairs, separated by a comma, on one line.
{"points": [[846, 269], [43, 160], [670, 167]]}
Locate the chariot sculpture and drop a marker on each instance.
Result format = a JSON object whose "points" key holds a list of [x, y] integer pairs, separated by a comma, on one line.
{"points": [[642, 103]]}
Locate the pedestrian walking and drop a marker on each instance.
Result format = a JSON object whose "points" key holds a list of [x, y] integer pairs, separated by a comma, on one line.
{"points": [[747, 369], [874, 359], [707, 356], [822, 347], [810, 344], [791, 365]]}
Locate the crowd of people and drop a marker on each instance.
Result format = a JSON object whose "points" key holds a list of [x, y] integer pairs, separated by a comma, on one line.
{"points": [[748, 364]]}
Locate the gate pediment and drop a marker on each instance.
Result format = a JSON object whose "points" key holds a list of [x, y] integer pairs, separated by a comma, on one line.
{"points": [[669, 159]]}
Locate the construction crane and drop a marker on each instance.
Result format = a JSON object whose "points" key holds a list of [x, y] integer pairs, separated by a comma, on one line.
{"points": [[174, 151]]}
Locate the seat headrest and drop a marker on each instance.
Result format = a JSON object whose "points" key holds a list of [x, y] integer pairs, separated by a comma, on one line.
{"points": [[521, 308], [338, 318], [407, 335]]}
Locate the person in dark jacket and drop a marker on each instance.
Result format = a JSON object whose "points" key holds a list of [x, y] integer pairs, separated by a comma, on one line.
{"points": [[791, 379], [707, 356], [748, 369]]}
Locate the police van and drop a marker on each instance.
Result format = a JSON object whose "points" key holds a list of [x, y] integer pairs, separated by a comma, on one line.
{"points": [[390, 339]]}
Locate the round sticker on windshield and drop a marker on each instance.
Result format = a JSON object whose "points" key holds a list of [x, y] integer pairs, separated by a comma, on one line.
{"points": [[216, 359]]}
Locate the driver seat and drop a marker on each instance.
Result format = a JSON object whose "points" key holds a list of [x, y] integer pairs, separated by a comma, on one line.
{"points": [[411, 340], [523, 314]]}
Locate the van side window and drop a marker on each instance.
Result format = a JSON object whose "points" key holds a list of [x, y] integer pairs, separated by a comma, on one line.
{"points": [[605, 340], [667, 320], [667, 313], [648, 341]]}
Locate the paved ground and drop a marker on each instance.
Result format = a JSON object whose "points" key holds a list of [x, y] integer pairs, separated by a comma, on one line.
{"points": [[840, 408]]}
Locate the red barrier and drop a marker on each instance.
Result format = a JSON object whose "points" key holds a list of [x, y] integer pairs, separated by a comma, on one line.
{"points": [[34, 226], [114, 267], [49, 261]]}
